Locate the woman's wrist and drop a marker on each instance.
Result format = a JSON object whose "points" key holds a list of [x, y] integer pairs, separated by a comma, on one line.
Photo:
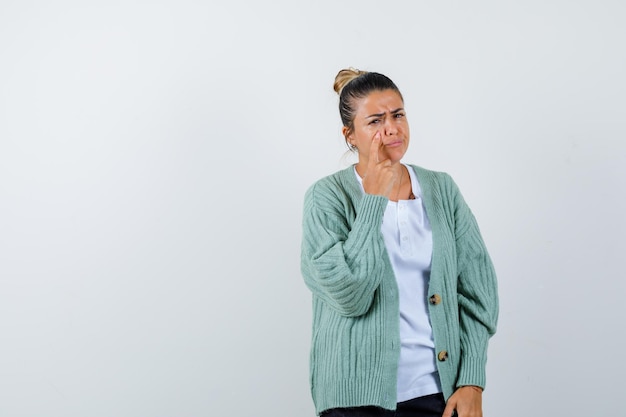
{"points": [[474, 387]]}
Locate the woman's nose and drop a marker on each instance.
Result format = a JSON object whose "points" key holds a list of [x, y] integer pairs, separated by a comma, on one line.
{"points": [[390, 127]]}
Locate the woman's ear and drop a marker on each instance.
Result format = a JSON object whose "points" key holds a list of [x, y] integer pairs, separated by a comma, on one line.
{"points": [[346, 134]]}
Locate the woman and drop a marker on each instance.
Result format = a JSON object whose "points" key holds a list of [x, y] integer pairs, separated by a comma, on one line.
{"points": [[404, 292]]}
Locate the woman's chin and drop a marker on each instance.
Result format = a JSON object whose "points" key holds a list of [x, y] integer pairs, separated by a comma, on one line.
{"points": [[396, 155]]}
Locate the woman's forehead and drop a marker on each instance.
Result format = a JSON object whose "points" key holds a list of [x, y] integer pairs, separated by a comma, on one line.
{"points": [[380, 101]]}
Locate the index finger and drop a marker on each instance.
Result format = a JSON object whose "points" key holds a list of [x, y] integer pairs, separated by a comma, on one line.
{"points": [[374, 147]]}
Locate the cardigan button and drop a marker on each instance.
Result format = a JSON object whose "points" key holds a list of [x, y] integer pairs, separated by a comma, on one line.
{"points": [[435, 299], [442, 356]]}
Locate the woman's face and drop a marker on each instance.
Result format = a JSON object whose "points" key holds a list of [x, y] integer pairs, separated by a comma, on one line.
{"points": [[380, 112]]}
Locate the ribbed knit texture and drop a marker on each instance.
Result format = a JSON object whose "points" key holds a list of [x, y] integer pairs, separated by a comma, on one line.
{"points": [[356, 338]]}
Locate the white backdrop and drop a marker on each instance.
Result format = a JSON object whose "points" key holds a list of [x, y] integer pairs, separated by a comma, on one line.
{"points": [[154, 157]]}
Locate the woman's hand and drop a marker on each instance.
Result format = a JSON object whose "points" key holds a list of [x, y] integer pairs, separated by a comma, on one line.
{"points": [[380, 176], [467, 401]]}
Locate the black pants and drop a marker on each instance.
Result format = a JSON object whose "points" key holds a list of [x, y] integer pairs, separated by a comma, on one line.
{"points": [[427, 406]]}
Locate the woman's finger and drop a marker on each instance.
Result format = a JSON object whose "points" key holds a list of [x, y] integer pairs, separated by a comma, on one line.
{"points": [[374, 147]]}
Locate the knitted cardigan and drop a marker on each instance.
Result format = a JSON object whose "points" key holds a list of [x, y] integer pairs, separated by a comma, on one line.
{"points": [[355, 336]]}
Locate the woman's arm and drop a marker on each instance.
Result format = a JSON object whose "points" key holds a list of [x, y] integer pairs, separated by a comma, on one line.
{"points": [[342, 263], [477, 295]]}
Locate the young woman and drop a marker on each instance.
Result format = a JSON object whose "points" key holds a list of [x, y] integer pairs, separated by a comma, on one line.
{"points": [[404, 292]]}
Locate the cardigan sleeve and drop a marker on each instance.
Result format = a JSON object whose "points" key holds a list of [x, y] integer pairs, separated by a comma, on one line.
{"points": [[477, 295], [340, 262]]}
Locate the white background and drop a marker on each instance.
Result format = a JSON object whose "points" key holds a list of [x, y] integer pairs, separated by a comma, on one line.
{"points": [[154, 156]]}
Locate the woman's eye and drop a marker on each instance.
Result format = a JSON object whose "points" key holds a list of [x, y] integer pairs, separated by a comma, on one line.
{"points": [[399, 115], [375, 121]]}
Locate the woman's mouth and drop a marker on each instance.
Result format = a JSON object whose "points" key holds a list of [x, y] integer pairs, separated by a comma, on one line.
{"points": [[394, 144]]}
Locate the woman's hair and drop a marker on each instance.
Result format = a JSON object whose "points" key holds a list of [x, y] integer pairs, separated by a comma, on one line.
{"points": [[352, 84]]}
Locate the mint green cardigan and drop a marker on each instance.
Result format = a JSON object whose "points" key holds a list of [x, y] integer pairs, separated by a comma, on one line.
{"points": [[355, 336]]}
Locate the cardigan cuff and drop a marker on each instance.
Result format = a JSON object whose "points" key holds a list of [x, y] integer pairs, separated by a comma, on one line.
{"points": [[371, 209], [472, 372]]}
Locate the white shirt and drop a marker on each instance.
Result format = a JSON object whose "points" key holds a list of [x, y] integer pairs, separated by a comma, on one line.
{"points": [[409, 243]]}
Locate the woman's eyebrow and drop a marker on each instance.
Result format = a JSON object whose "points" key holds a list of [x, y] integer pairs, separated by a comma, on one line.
{"points": [[382, 114]]}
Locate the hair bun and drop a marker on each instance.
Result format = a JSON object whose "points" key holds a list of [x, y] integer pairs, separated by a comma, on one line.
{"points": [[345, 76]]}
